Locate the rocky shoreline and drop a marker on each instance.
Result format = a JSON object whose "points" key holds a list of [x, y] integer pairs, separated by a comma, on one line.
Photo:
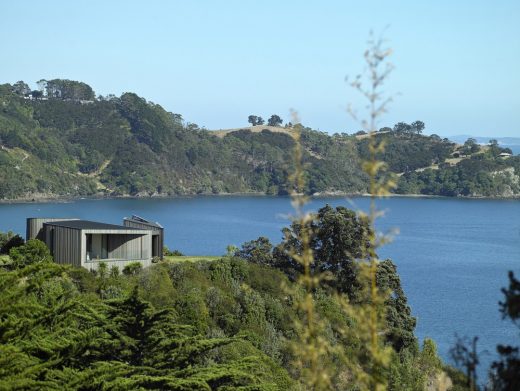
{"points": [[49, 198]]}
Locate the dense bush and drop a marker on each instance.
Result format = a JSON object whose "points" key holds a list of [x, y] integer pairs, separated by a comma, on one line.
{"points": [[126, 145]]}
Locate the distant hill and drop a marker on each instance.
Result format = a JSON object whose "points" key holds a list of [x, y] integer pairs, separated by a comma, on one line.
{"points": [[509, 142], [64, 142]]}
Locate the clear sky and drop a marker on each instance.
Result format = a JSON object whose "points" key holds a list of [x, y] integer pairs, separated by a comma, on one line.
{"points": [[215, 62]]}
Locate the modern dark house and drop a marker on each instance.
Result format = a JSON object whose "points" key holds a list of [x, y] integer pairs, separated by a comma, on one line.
{"points": [[85, 243]]}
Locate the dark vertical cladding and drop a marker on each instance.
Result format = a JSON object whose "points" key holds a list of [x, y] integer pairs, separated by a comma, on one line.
{"points": [[157, 233], [35, 227], [64, 243]]}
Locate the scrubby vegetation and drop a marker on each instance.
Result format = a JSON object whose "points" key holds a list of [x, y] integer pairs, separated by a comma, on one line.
{"points": [[224, 324], [63, 141]]}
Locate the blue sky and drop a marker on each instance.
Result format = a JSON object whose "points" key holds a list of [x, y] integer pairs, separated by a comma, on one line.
{"points": [[216, 62]]}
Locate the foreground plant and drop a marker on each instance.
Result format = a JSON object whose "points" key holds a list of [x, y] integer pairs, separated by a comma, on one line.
{"points": [[368, 362]]}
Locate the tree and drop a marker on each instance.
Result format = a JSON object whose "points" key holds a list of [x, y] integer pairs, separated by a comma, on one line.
{"points": [[8, 241], [34, 251], [42, 86], [69, 90], [274, 120], [21, 88], [132, 269], [253, 120], [36, 94], [466, 357], [401, 324], [337, 240], [53, 337], [494, 148], [471, 146], [418, 127], [257, 251], [402, 128], [506, 376]]}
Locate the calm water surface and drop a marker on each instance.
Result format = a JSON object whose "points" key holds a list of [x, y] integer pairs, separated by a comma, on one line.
{"points": [[452, 255]]}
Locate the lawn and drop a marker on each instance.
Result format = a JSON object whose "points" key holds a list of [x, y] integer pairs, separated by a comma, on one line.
{"points": [[191, 258]]}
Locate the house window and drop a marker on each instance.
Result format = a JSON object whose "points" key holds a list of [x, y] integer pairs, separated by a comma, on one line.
{"points": [[89, 247], [97, 246]]}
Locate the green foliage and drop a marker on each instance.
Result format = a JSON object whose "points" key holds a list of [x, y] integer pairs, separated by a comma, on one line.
{"points": [[257, 251], [180, 325], [479, 175], [336, 239], [171, 253], [274, 120], [34, 251], [9, 240], [506, 371], [54, 336], [68, 90], [64, 146], [400, 322], [406, 154], [132, 268]]}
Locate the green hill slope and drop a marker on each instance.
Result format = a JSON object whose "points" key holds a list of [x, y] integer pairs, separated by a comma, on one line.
{"points": [[65, 143]]}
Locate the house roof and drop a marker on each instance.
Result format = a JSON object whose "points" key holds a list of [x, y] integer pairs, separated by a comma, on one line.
{"points": [[87, 224], [138, 219]]}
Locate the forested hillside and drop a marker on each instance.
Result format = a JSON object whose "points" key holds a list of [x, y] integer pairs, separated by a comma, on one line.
{"points": [[229, 324], [61, 140]]}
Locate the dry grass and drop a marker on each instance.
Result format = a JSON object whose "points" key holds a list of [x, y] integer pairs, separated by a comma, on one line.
{"points": [[363, 136], [255, 129]]}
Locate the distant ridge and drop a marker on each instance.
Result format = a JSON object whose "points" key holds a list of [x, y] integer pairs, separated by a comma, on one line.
{"points": [[53, 144], [485, 139]]}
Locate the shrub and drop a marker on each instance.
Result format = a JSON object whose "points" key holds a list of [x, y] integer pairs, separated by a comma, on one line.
{"points": [[34, 251], [8, 241], [132, 269]]}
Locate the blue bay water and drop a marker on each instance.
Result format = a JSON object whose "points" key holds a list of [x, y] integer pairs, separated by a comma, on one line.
{"points": [[452, 255]]}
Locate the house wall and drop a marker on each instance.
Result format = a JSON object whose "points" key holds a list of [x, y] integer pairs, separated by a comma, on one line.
{"points": [[64, 244], [130, 246], [34, 228], [156, 231]]}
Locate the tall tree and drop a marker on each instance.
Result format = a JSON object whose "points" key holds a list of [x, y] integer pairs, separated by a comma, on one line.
{"points": [[402, 127], [274, 120], [21, 88], [337, 236], [417, 127]]}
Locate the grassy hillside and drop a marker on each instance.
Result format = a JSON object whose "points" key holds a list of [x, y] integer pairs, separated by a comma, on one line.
{"points": [[82, 146]]}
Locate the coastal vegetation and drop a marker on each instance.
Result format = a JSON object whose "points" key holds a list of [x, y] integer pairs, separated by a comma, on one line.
{"points": [[217, 324], [62, 141], [220, 323]]}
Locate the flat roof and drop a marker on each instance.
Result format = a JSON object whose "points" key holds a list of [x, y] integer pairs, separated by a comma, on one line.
{"points": [[87, 224], [138, 219]]}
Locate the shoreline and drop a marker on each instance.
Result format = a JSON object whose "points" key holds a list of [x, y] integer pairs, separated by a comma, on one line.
{"points": [[68, 199]]}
